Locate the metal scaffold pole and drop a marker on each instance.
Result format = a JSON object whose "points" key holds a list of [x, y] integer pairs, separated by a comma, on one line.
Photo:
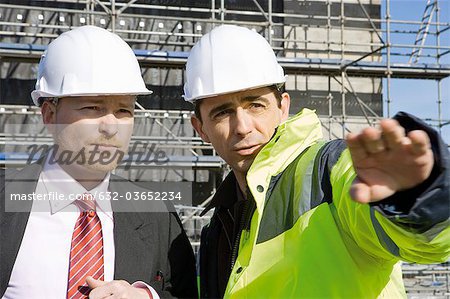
{"points": [[222, 10], [113, 15], [388, 58], [271, 31], [330, 109], [343, 91], [438, 60]]}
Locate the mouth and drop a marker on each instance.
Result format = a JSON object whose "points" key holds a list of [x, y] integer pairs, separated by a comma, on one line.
{"points": [[248, 150], [104, 146]]}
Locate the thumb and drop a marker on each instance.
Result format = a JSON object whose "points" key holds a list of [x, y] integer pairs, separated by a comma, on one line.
{"points": [[360, 192], [94, 283]]}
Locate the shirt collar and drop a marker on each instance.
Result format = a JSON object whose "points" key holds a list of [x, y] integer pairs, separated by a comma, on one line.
{"points": [[56, 180]]}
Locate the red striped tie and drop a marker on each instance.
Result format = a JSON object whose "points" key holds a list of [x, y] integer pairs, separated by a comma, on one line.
{"points": [[86, 253]]}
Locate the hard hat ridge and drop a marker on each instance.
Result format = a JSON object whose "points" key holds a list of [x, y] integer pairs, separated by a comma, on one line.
{"points": [[230, 59]]}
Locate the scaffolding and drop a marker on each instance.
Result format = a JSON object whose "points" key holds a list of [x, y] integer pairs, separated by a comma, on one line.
{"points": [[162, 35], [347, 49], [347, 46]]}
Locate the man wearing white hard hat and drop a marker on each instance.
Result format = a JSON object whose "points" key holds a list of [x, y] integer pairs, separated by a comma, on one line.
{"points": [[298, 217], [80, 235]]}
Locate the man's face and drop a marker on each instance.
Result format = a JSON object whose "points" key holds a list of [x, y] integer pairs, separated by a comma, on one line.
{"points": [[94, 130], [239, 124]]}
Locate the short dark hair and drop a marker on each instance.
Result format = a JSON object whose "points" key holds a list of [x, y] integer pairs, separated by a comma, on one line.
{"points": [[278, 90]]}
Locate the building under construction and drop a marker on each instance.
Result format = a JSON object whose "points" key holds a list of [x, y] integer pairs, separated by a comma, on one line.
{"points": [[341, 57]]}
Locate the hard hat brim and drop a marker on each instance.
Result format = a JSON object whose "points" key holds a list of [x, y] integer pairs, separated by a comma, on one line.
{"points": [[37, 94], [205, 96]]}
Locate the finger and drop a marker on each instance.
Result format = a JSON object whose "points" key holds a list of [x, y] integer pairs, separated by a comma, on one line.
{"points": [[109, 288], [94, 283], [102, 297], [372, 140], [99, 289], [420, 142], [101, 292], [360, 192], [393, 134], [357, 150]]}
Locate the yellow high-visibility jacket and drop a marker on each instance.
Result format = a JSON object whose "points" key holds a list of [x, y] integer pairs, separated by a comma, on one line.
{"points": [[307, 239]]}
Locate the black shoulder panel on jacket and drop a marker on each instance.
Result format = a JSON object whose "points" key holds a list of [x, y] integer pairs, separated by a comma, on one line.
{"points": [[321, 189]]}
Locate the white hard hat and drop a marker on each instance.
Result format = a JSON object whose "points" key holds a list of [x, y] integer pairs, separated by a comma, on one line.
{"points": [[230, 59], [88, 61]]}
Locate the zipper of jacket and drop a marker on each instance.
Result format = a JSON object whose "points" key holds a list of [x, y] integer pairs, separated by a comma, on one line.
{"points": [[243, 224], [234, 252], [224, 230]]}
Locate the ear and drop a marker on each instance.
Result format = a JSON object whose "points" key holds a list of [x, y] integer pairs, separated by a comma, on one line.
{"points": [[285, 104], [198, 126], [48, 111]]}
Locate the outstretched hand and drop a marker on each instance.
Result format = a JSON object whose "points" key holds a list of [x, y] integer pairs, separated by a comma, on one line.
{"points": [[386, 160]]}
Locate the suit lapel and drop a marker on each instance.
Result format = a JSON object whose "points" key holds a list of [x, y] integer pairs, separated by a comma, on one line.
{"points": [[13, 224]]}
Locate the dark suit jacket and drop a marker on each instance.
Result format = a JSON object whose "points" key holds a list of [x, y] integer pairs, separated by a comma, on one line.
{"points": [[145, 243]]}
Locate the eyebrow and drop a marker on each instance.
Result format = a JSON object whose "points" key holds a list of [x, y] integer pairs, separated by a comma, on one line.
{"points": [[218, 109], [243, 100], [127, 105], [255, 98], [101, 101], [91, 101]]}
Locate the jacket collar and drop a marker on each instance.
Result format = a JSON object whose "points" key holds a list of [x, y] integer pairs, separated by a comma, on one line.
{"points": [[225, 195], [291, 138], [12, 224]]}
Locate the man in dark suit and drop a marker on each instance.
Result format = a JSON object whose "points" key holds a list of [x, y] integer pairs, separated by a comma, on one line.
{"points": [[106, 244]]}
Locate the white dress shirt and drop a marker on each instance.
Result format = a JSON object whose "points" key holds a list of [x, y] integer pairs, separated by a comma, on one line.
{"points": [[41, 268]]}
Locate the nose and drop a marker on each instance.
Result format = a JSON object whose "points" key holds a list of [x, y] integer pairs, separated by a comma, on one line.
{"points": [[243, 122], [109, 125]]}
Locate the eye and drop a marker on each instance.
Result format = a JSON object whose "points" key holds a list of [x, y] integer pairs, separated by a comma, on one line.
{"points": [[125, 112], [93, 108], [257, 106], [222, 113]]}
